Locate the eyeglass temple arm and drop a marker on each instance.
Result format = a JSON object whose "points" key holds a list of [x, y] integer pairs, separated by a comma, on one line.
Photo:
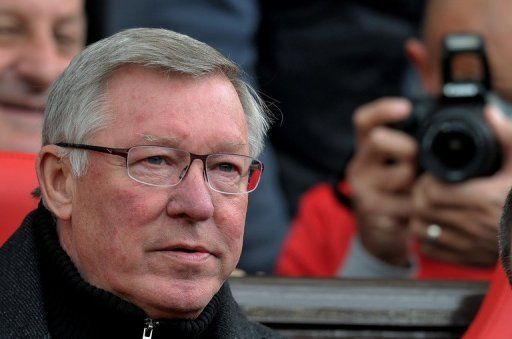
{"points": [[116, 151]]}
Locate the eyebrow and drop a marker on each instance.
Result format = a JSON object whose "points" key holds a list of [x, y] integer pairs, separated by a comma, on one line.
{"points": [[9, 13], [223, 147], [71, 19], [166, 141]]}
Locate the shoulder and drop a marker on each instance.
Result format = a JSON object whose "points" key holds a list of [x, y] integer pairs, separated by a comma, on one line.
{"points": [[21, 310], [233, 323], [244, 328]]}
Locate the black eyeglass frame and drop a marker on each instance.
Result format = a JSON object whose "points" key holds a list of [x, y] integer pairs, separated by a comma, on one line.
{"points": [[123, 152]]}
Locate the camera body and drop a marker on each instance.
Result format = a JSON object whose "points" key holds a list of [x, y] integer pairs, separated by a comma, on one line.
{"points": [[455, 141]]}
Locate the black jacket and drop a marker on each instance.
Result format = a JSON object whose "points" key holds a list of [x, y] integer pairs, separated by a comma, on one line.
{"points": [[22, 309]]}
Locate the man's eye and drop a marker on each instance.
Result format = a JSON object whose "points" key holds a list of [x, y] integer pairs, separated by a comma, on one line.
{"points": [[65, 40], [68, 43], [9, 29], [155, 160], [226, 167], [8, 32]]}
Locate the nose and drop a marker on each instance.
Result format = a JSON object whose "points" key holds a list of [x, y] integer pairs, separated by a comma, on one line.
{"points": [[192, 198], [40, 62]]}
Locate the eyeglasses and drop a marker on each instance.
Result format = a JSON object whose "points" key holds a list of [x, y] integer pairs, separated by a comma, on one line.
{"points": [[166, 167]]}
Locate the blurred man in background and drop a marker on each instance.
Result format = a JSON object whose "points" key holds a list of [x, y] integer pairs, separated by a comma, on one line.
{"points": [[38, 39], [455, 224]]}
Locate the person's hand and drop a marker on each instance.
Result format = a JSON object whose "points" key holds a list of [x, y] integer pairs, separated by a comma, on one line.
{"points": [[466, 214], [381, 174]]}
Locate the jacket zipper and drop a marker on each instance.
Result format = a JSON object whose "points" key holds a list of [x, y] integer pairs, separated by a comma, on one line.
{"points": [[149, 326]]}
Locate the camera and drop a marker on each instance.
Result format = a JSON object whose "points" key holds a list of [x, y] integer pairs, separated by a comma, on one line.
{"points": [[455, 141]]}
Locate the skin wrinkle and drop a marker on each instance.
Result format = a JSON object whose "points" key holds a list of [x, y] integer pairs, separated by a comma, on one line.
{"points": [[227, 147], [132, 222]]}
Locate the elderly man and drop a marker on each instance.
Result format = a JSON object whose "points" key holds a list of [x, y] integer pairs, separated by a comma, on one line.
{"points": [[37, 41], [505, 237], [149, 141], [455, 225]]}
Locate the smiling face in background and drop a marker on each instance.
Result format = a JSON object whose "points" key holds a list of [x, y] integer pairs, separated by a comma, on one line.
{"points": [[38, 39], [166, 249]]}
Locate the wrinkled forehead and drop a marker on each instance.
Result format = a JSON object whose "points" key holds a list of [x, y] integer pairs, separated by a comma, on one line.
{"points": [[144, 101], [130, 80]]}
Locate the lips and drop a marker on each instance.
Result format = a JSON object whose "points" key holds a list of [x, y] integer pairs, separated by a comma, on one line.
{"points": [[187, 252], [21, 108], [186, 249], [23, 120]]}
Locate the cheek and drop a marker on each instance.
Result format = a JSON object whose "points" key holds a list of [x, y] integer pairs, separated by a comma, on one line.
{"points": [[116, 199], [119, 225], [230, 219], [64, 61], [7, 57]]}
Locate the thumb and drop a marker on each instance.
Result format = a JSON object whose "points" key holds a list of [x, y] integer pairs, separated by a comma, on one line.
{"points": [[502, 128]]}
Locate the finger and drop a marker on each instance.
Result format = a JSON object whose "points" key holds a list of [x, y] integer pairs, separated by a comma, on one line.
{"points": [[466, 223], [451, 238], [472, 220], [391, 144], [476, 258], [379, 112], [446, 238], [383, 224], [392, 205], [429, 192], [441, 254], [480, 193], [502, 128], [370, 166], [395, 178], [421, 199], [463, 226]]}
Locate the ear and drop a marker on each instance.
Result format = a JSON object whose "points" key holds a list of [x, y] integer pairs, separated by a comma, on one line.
{"points": [[418, 55], [56, 181]]}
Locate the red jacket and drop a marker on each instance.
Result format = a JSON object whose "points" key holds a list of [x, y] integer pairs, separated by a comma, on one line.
{"points": [[17, 180], [320, 237]]}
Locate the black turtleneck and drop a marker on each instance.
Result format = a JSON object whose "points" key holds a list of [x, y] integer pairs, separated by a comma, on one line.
{"points": [[76, 309]]}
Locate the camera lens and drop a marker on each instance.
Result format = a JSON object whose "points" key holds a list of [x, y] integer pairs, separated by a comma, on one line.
{"points": [[457, 144], [454, 149]]}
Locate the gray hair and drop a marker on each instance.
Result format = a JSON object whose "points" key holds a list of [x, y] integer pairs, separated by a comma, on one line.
{"points": [[77, 107]]}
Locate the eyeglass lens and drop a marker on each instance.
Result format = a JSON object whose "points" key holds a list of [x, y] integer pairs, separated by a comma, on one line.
{"points": [[162, 166]]}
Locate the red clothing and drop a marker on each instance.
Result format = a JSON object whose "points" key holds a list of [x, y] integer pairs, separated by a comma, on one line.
{"points": [[493, 317], [319, 241], [17, 180]]}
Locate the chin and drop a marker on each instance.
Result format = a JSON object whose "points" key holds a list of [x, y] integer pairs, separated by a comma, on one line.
{"points": [[179, 299]]}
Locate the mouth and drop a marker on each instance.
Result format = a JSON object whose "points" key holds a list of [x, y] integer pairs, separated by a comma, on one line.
{"points": [[16, 108], [187, 252]]}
